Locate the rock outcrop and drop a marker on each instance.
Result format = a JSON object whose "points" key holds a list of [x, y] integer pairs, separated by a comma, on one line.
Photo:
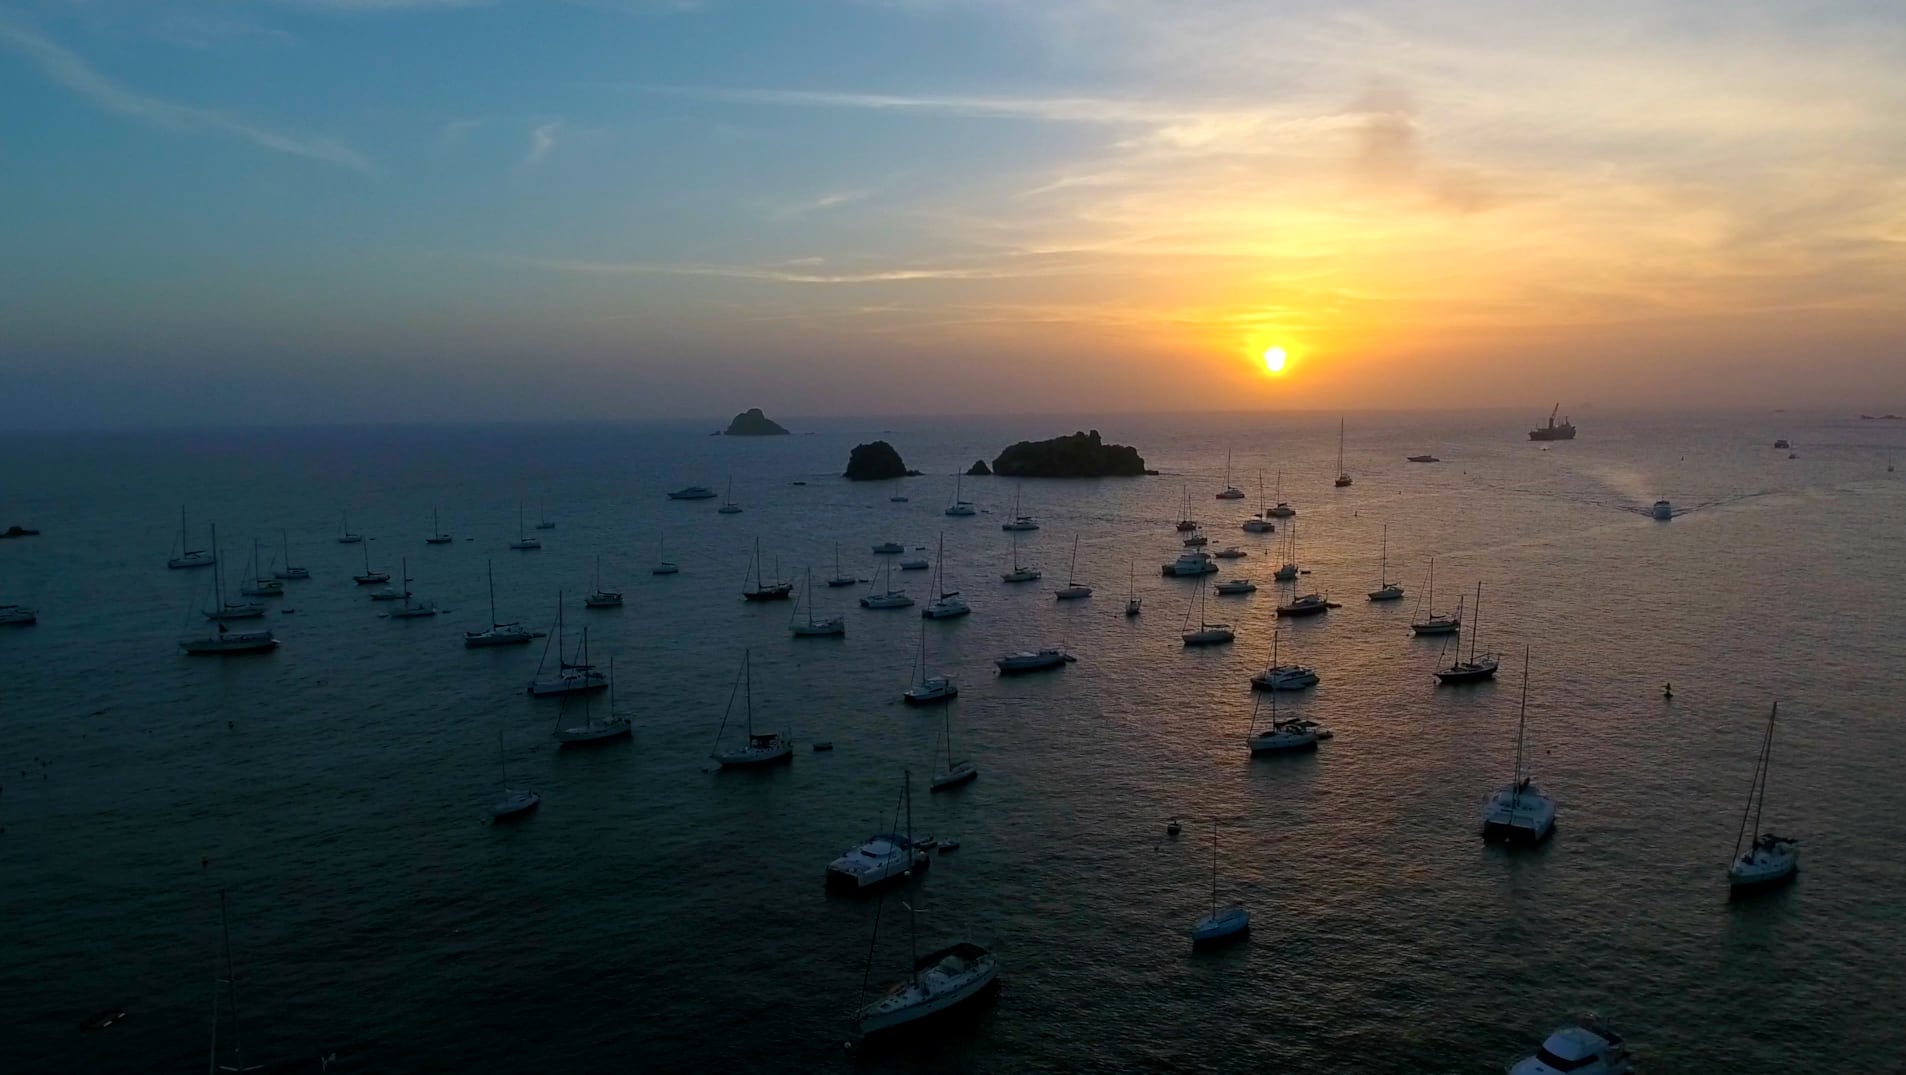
{"points": [[876, 462], [1080, 455], [979, 469], [752, 423]]}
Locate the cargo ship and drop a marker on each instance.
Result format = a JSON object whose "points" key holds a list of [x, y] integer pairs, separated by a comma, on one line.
{"points": [[1565, 431]]}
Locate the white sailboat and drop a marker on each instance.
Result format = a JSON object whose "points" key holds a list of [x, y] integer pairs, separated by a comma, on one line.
{"points": [[515, 801], [949, 604], [602, 598], [1282, 736], [1770, 859], [1283, 677], [288, 571], [957, 773], [570, 677], [1436, 623], [928, 689], [1519, 812], [260, 586], [1233, 923], [524, 542], [1261, 522], [225, 641], [221, 609], [1073, 590], [1343, 476], [1206, 633], [1386, 590], [663, 565], [808, 626], [888, 597], [959, 507], [345, 535], [1019, 522], [1230, 492], [728, 505], [840, 580], [410, 610], [761, 748], [369, 577], [497, 634], [1026, 661], [189, 556], [437, 536], [592, 731], [1020, 572], [1281, 509], [945, 980]]}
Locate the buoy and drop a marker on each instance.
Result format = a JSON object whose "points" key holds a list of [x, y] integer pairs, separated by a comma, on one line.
{"points": [[1667, 690], [1174, 828]]}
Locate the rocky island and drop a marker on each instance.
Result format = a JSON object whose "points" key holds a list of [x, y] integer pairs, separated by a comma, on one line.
{"points": [[752, 423], [1080, 455], [876, 462], [978, 469]]}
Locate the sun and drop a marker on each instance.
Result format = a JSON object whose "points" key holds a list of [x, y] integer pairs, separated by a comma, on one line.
{"points": [[1274, 359]]}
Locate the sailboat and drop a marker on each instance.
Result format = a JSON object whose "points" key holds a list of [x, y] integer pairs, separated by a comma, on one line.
{"points": [[1026, 661], [812, 628], [881, 858], [233, 1058], [345, 535], [410, 610], [524, 542], [288, 571], [1131, 601], [839, 580], [437, 536], [1230, 492], [515, 802], [959, 507], [222, 609], [592, 731], [1261, 522], [1283, 677], [763, 590], [224, 640], [1233, 923], [369, 577], [928, 689], [1288, 570], [888, 597], [1019, 522], [1185, 522], [949, 603], [1073, 590], [1206, 633], [663, 565], [942, 982], [188, 556], [1475, 668], [1436, 623], [544, 523], [1386, 590], [1282, 736], [1769, 858], [728, 505], [260, 586], [957, 772], [1519, 812], [1343, 476], [1020, 572], [497, 634], [1281, 509], [571, 676], [763, 748], [602, 598]]}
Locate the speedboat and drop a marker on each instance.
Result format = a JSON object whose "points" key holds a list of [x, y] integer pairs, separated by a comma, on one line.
{"points": [[1662, 510], [1308, 605], [1518, 812], [1024, 661], [916, 563], [1209, 634], [1285, 677], [1581, 1047], [693, 492], [1770, 860], [1021, 574], [515, 804], [1236, 586], [881, 858], [231, 642], [889, 599], [1233, 923], [17, 615], [1230, 552], [1281, 510], [942, 981], [1285, 735], [889, 548], [1190, 565], [1021, 524], [1472, 670], [946, 607], [1423, 459], [498, 634], [762, 748], [931, 689]]}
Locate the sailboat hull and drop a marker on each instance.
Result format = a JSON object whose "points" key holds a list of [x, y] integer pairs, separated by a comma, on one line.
{"points": [[1468, 672], [779, 592], [965, 774]]}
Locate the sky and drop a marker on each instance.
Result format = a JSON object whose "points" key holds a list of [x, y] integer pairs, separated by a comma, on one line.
{"points": [[218, 212]]}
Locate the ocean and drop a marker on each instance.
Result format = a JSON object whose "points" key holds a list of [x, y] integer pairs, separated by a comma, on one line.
{"points": [[656, 915]]}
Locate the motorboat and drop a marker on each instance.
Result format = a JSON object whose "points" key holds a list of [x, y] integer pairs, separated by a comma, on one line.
{"points": [[1222, 926], [17, 615], [889, 548], [1236, 586], [1283, 677], [1422, 459], [1190, 564], [1024, 661], [693, 492], [1308, 605], [1662, 510], [1073, 590], [1476, 668], [942, 981], [497, 634], [1230, 552], [1581, 1047], [1519, 812], [569, 677], [760, 748], [231, 642], [1770, 859]]}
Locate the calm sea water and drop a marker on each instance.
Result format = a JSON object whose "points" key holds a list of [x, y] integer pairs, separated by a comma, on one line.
{"points": [[655, 915]]}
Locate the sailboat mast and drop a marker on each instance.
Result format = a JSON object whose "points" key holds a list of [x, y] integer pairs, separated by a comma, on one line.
{"points": [[1475, 628], [1522, 720], [1757, 791], [1214, 867], [492, 570], [1383, 561], [231, 981], [747, 678], [218, 570], [185, 541]]}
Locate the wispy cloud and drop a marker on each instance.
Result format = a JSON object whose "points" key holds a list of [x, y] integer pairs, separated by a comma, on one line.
{"points": [[69, 70], [542, 139], [798, 271]]}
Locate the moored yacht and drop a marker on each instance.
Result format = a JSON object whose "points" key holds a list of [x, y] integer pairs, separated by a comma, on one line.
{"points": [[1206, 633], [1476, 668], [17, 615], [1014, 664], [1435, 623], [693, 492], [188, 556], [1236, 586], [1281, 509], [592, 731], [1343, 476], [1190, 564], [221, 609], [369, 577], [728, 505], [949, 604], [1230, 492], [760, 748], [888, 597], [228, 641], [808, 626], [1386, 590], [840, 580], [1770, 859], [889, 548], [288, 571], [1283, 677], [1020, 572], [959, 507], [260, 586], [347, 536], [881, 858], [1519, 812], [929, 689], [1308, 605], [515, 801], [1020, 523], [569, 677], [1221, 926], [602, 598], [524, 542], [1185, 522], [497, 634], [1581, 1047], [1073, 590], [410, 610], [761, 589], [1230, 552], [1662, 510], [437, 536]]}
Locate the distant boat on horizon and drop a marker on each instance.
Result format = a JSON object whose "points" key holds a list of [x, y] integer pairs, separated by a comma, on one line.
{"points": [[1552, 431]]}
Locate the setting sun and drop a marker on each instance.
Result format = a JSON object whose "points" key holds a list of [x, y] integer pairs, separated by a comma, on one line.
{"points": [[1274, 359]]}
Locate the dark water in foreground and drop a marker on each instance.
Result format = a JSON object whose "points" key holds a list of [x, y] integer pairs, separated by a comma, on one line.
{"points": [[657, 916]]}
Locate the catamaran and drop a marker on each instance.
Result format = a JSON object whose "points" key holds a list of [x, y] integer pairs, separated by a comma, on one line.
{"points": [[1770, 859], [881, 858], [1283, 677], [1519, 812]]}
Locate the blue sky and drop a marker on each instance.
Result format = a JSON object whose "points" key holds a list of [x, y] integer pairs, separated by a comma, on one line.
{"points": [[340, 210]]}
